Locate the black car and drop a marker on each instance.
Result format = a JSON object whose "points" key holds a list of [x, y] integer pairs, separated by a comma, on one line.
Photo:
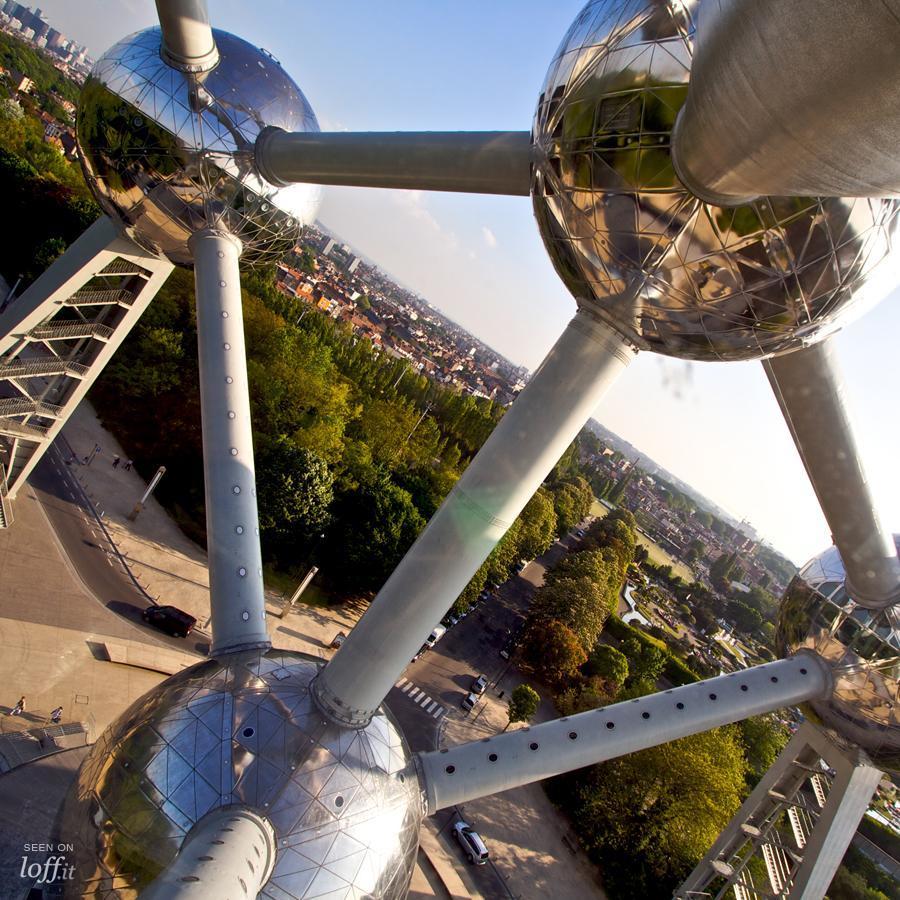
{"points": [[169, 619]]}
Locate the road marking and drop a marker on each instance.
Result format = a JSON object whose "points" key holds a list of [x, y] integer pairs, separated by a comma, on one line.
{"points": [[400, 682], [409, 686], [431, 708], [438, 712], [424, 700], [71, 495], [415, 694]]}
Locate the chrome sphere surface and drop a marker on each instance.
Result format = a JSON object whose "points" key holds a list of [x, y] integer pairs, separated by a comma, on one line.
{"points": [[670, 272], [862, 646], [168, 154], [345, 804]]}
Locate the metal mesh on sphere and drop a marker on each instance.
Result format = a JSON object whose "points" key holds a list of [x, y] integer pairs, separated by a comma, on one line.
{"points": [[861, 645], [670, 272], [168, 156], [345, 804]]}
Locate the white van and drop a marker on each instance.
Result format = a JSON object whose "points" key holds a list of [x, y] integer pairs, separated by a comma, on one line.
{"points": [[436, 634]]}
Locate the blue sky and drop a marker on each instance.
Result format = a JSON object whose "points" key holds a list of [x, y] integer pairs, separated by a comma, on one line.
{"points": [[440, 65]]}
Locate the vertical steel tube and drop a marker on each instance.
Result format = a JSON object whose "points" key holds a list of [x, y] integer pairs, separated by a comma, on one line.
{"points": [[228, 853], [232, 525], [499, 481], [187, 38], [810, 391], [792, 98], [508, 760]]}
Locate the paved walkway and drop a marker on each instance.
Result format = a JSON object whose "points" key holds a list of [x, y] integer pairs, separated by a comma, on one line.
{"points": [[63, 664]]}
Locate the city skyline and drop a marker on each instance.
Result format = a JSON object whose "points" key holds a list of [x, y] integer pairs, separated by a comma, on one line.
{"points": [[480, 259]]}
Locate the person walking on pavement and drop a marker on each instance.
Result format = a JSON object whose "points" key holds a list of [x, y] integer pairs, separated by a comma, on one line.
{"points": [[128, 464], [19, 708], [56, 715], [115, 462]]}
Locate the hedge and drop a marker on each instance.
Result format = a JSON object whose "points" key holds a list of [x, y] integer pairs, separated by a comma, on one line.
{"points": [[675, 671]]}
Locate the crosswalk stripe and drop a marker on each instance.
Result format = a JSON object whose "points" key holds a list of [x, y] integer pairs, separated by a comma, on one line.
{"points": [[432, 707], [438, 712], [415, 693], [409, 686], [400, 682], [425, 699]]}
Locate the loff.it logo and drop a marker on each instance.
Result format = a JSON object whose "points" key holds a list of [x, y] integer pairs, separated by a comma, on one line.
{"points": [[52, 869]]}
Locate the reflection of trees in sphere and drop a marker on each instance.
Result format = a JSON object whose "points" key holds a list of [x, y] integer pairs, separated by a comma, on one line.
{"points": [[167, 156], [672, 273], [345, 804], [861, 645]]}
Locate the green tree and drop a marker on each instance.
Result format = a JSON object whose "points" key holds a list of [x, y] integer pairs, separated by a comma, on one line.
{"points": [[745, 618], [763, 737], [375, 524], [538, 525], [551, 649], [645, 662], [579, 603], [609, 664], [523, 704], [295, 490], [572, 502], [649, 817]]}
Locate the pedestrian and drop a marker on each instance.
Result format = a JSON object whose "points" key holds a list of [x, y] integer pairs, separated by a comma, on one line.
{"points": [[56, 715], [19, 708], [128, 464], [115, 463]]}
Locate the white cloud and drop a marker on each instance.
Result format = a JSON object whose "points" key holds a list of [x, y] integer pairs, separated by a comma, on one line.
{"points": [[413, 203], [489, 237]]}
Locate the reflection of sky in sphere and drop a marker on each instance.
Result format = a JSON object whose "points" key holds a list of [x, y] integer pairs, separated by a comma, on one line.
{"points": [[862, 647], [166, 170], [345, 805], [672, 273]]}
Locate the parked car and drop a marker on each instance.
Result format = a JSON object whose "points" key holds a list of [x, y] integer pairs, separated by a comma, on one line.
{"points": [[479, 684], [436, 634], [579, 533], [169, 619], [337, 640], [471, 843], [469, 702], [520, 565], [507, 650]]}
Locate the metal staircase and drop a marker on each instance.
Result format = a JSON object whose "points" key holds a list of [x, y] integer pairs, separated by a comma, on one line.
{"points": [[56, 338], [782, 843]]}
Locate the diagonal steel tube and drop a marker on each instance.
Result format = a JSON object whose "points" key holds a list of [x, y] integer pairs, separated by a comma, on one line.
{"points": [[810, 391], [792, 98], [488, 162], [508, 760], [232, 523], [187, 38], [493, 490]]}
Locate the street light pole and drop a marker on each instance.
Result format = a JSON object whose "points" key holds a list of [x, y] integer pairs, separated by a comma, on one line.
{"points": [[140, 504]]}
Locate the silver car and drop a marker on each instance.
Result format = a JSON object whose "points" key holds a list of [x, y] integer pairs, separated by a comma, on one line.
{"points": [[471, 842]]}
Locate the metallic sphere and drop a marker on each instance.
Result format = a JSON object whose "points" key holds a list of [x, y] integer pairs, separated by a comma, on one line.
{"points": [[168, 154], [670, 272], [861, 645], [345, 805]]}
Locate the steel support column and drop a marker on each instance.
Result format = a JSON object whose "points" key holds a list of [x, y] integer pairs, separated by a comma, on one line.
{"points": [[499, 481], [508, 760], [810, 391], [232, 524]]}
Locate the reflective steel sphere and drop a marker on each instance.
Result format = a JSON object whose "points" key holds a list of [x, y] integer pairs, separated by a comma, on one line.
{"points": [[345, 805], [167, 155], [863, 648], [671, 273]]}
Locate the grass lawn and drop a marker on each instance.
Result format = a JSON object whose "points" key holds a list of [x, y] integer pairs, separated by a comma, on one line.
{"points": [[658, 556]]}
